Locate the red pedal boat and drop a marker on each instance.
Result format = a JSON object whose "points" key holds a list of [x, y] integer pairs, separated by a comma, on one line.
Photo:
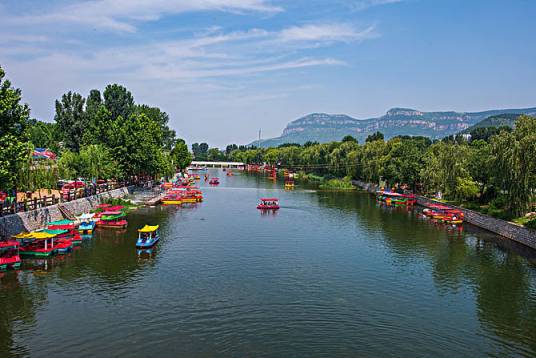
{"points": [[268, 204]]}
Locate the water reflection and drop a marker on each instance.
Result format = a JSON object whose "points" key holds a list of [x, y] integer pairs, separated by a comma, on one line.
{"points": [[330, 273]]}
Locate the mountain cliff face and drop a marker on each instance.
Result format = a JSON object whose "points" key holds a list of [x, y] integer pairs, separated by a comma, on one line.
{"points": [[323, 127]]}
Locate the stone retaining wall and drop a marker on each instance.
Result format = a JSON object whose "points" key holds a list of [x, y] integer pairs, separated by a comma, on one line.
{"points": [[36, 219], [501, 227]]}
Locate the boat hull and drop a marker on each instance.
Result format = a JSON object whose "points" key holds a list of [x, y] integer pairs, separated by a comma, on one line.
{"points": [[147, 244], [37, 253], [268, 207], [172, 202]]}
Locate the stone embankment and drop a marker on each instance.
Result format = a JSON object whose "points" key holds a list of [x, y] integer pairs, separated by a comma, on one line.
{"points": [[503, 228], [32, 220]]}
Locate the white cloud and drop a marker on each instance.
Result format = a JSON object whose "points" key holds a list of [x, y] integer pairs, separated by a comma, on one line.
{"points": [[365, 4], [122, 15], [325, 32]]}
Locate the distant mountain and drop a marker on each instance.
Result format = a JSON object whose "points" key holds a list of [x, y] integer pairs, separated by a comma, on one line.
{"points": [[323, 127], [501, 120]]}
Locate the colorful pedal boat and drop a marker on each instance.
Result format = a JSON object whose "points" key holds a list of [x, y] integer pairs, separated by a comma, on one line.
{"points": [[36, 244], [112, 219], [9, 255], [87, 223], [148, 236], [392, 198], [214, 181], [173, 198], [61, 225], [268, 204]]}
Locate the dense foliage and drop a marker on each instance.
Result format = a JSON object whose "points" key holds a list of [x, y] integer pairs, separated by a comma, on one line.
{"points": [[101, 137], [496, 170]]}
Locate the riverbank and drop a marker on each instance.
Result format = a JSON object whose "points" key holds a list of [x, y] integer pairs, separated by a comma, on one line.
{"points": [[35, 219], [503, 228]]}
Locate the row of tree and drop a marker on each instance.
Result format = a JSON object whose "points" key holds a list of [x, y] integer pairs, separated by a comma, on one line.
{"points": [[106, 135], [498, 167]]}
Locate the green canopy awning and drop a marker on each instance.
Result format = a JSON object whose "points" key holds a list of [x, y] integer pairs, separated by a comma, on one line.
{"points": [[55, 232], [60, 222]]}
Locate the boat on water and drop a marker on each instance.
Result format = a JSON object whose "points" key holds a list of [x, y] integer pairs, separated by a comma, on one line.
{"points": [[87, 224], [392, 198], [64, 240], [445, 214], [148, 236], [268, 204], [172, 198], [36, 244], [113, 220], [9, 255], [214, 181], [61, 225], [289, 185]]}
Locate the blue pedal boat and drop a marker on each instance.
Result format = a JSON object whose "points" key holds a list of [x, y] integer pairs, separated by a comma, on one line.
{"points": [[148, 236]]}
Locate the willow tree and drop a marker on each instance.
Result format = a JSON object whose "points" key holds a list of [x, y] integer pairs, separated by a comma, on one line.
{"points": [[515, 164], [97, 162], [446, 169]]}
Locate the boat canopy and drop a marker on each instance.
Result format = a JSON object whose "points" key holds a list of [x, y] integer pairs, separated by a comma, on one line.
{"points": [[112, 212], [34, 235], [86, 216], [148, 228], [115, 208], [60, 222], [55, 232], [269, 199], [112, 217], [102, 206]]}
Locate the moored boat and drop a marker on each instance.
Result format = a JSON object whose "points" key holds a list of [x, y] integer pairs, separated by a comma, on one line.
{"points": [[392, 198], [62, 225], [214, 181], [87, 224], [268, 204], [445, 214], [148, 236], [9, 255], [36, 244], [112, 219]]}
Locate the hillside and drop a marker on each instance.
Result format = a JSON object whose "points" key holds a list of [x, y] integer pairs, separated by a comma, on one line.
{"points": [[502, 120], [323, 127]]}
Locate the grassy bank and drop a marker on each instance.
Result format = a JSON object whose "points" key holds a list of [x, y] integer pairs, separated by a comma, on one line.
{"points": [[338, 184]]}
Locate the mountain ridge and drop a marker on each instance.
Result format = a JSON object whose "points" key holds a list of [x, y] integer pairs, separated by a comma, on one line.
{"points": [[323, 127]]}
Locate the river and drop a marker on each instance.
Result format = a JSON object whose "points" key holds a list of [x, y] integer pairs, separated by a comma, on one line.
{"points": [[330, 274]]}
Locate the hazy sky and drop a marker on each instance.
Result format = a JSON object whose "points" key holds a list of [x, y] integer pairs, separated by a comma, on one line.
{"points": [[222, 69]]}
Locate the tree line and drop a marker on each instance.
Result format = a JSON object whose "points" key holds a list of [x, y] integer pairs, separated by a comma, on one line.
{"points": [[495, 169], [105, 135]]}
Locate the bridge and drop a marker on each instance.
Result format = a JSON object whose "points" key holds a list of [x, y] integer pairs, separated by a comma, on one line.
{"points": [[233, 165]]}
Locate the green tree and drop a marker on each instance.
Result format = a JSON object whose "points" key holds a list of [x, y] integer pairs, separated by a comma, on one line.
{"points": [[71, 119], [162, 118], [44, 135], [349, 138], [180, 155], [375, 136], [93, 103], [69, 165], [97, 162], [118, 101], [14, 146], [514, 164]]}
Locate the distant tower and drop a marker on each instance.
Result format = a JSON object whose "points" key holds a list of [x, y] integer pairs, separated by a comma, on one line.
{"points": [[259, 138]]}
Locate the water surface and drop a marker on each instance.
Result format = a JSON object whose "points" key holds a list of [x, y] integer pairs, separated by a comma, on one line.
{"points": [[330, 274]]}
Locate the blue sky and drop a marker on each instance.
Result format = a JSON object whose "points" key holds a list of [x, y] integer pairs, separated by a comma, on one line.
{"points": [[222, 69]]}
